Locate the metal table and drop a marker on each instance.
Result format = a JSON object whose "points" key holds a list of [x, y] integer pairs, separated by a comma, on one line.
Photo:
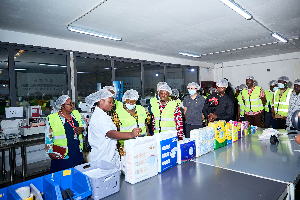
{"points": [[280, 162], [193, 180]]}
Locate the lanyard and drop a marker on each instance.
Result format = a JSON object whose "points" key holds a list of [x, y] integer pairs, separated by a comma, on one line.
{"points": [[71, 123]]}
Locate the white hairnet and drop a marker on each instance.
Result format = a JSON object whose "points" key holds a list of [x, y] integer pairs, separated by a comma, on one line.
{"points": [[175, 92], [96, 96], [131, 95], [160, 84], [283, 78], [60, 101], [272, 83], [250, 77], [242, 86], [222, 83], [165, 87], [193, 84], [110, 88], [297, 82]]}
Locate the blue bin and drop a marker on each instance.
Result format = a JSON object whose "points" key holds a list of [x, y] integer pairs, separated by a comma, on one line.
{"points": [[73, 179], [49, 189], [6, 195]]}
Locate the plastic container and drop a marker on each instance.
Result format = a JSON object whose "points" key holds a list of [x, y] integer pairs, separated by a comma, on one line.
{"points": [[6, 195], [73, 179], [104, 178], [49, 189]]}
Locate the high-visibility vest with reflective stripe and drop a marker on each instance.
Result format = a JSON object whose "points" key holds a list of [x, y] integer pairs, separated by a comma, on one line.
{"points": [[118, 104], [164, 121], [241, 103], [178, 101], [128, 122], [269, 98], [281, 106], [252, 103], [59, 135], [153, 100]]}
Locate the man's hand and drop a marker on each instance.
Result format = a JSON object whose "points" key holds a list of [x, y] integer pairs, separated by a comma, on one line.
{"points": [[135, 132], [54, 156], [79, 130], [212, 117], [203, 117]]}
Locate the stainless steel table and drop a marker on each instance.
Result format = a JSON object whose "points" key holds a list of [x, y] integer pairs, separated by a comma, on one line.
{"points": [[280, 162], [193, 180]]}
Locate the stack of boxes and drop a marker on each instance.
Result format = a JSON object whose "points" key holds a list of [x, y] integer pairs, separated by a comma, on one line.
{"points": [[204, 140]]}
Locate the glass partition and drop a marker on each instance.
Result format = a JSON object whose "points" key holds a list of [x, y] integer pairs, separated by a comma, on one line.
{"points": [[174, 78], [4, 81], [40, 78], [92, 74], [153, 75]]}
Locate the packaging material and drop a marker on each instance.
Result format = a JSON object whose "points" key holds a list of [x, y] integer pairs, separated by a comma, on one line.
{"points": [[267, 133], [186, 150], [220, 133], [104, 178], [253, 129], [229, 132], [23, 192], [239, 130], [204, 140], [166, 150], [140, 159], [234, 127]]}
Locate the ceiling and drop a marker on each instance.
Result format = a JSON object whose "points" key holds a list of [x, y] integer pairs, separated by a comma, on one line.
{"points": [[164, 27]]}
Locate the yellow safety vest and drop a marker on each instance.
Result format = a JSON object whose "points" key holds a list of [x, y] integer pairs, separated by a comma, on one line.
{"points": [[252, 103], [164, 121], [128, 122], [281, 106], [269, 98], [59, 135], [241, 103]]}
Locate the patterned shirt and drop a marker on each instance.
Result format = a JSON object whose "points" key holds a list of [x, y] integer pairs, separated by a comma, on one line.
{"points": [[49, 134], [294, 105], [177, 119]]}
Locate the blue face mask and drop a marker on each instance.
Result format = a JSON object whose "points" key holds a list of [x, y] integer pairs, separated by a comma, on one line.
{"points": [[280, 85], [192, 92], [129, 106], [274, 89]]}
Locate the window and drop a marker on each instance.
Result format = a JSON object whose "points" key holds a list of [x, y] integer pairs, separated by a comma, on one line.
{"points": [[4, 81], [153, 75], [174, 78]]}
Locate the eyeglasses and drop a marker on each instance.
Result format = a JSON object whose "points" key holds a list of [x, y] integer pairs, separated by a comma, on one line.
{"points": [[70, 104]]}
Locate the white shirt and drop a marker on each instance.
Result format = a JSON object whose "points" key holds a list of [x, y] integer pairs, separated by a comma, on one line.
{"points": [[103, 147]]}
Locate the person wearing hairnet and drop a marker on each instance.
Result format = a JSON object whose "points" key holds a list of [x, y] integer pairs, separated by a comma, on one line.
{"points": [[156, 97], [175, 96], [166, 114], [269, 104], [193, 106], [132, 116], [112, 113], [281, 102], [254, 100], [63, 135], [219, 106], [241, 105], [103, 134], [294, 103]]}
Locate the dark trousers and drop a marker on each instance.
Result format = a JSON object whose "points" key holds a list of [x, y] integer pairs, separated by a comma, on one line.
{"points": [[254, 120], [189, 127], [268, 119], [280, 123]]}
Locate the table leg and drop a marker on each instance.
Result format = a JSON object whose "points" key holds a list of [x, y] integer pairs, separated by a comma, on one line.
{"points": [[3, 164], [12, 164], [24, 162]]}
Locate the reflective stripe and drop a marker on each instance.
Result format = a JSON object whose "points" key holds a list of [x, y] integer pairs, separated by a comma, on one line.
{"points": [[252, 99], [131, 127], [81, 140], [156, 118], [167, 119], [167, 128], [283, 110], [59, 137], [248, 106]]}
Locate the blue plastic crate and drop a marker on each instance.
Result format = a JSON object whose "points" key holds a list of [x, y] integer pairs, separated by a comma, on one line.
{"points": [[73, 179], [5, 194], [49, 189]]}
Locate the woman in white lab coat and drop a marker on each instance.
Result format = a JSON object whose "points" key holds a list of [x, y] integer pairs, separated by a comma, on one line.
{"points": [[102, 132]]}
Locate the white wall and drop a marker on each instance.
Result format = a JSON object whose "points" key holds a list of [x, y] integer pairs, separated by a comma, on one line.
{"points": [[279, 65], [44, 41]]}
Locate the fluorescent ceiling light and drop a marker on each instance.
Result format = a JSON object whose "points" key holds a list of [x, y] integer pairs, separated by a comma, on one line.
{"points": [[189, 54], [279, 37], [42, 64], [19, 69], [52, 65], [63, 66], [82, 72], [93, 33], [106, 68], [192, 70], [156, 74], [237, 8]]}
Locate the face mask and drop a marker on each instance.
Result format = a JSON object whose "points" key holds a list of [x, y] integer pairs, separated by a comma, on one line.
{"points": [[129, 106], [192, 92], [274, 89], [280, 85]]}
